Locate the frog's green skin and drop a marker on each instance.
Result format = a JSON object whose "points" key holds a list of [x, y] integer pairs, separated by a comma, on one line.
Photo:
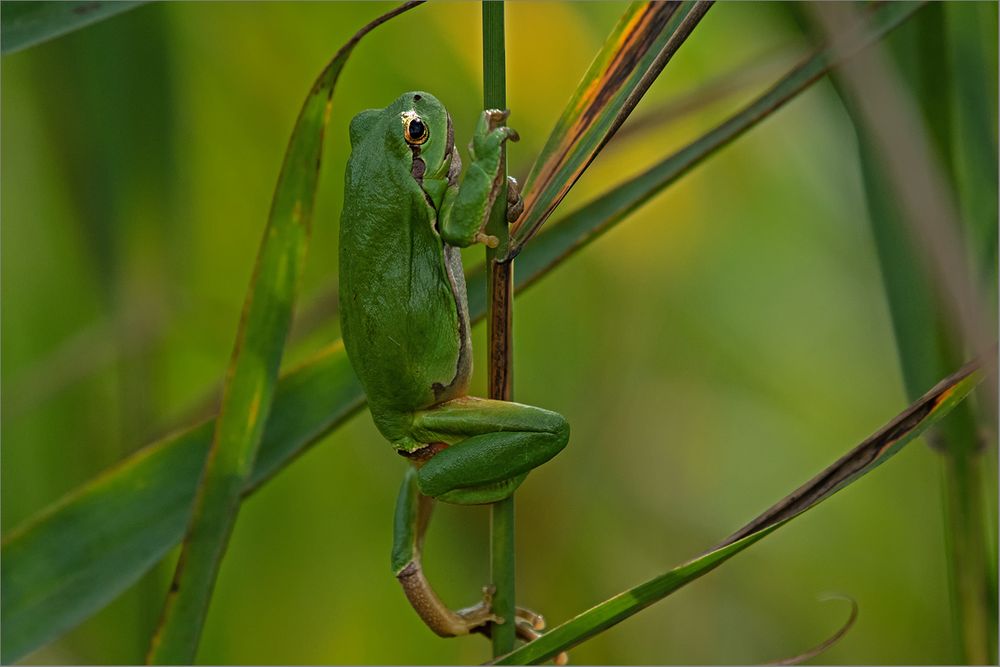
{"points": [[405, 323]]}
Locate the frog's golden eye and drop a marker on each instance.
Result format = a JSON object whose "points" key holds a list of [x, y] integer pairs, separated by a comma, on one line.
{"points": [[415, 130]]}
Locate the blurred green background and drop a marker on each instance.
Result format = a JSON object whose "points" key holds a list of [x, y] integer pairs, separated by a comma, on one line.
{"points": [[711, 353]]}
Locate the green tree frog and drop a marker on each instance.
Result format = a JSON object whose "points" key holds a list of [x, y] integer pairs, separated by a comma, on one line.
{"points": [[405, 322]]}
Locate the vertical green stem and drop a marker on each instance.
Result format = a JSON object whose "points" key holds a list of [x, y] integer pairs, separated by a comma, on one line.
{"points": [[965, 535], [500, 293]]}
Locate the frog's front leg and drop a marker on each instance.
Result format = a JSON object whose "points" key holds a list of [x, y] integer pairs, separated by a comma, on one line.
{"points": [[464, 212]]}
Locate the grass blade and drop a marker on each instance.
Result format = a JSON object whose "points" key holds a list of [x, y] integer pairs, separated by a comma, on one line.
{"points": [[253, 372], [80, 553], [83, 551], [859, 461], [745, 78], [24, 24], [925, 342], [637, 50]]}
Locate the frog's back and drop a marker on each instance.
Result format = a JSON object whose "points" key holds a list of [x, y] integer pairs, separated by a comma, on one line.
{"points": [[403, 312]]}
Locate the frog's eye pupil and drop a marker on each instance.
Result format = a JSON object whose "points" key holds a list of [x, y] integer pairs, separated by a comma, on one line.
{"points": [[416, 131]]}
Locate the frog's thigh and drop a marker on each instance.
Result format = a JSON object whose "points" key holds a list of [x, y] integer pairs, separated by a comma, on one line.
{"points": [[495, 441]]}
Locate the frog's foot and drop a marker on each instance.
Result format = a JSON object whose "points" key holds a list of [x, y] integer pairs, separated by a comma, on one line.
{"points": [[480, 615], [528, 626], [496, 119], [487, 240], [439, 618], [515, 203]]}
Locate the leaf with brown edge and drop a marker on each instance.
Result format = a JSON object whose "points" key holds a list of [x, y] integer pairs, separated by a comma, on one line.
{"points": [[636, 51], [871, 453]]}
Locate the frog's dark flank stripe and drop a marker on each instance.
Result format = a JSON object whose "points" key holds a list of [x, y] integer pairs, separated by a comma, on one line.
{"points": [[418, 168]]}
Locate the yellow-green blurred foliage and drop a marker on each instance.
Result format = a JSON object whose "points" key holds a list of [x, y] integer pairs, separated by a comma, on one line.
{"points": [[711, 353]]}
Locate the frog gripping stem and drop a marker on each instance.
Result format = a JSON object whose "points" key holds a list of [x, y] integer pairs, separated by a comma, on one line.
{"points": [[464, 218], [408, 340]]}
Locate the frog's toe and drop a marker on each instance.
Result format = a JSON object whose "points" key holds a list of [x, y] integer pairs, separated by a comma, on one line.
{"points": [[530, 618], [480, 615], [528, 628], [513, 189], [514, 211], [497, 116], [515, 203]]}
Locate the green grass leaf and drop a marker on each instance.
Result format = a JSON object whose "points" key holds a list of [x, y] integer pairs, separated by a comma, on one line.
{"points": [[634, 54], [859, 461], [80, 553], [24, 23], [250, 382], [253, 372]]}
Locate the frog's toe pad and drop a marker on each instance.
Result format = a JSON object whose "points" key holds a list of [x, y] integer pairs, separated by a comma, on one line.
{"points": [[496, 117], [515, 203], [528, 628]]}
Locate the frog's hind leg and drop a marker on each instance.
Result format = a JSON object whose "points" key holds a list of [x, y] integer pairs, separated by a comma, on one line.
{"points": [[413, 511], [494, 445]]}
